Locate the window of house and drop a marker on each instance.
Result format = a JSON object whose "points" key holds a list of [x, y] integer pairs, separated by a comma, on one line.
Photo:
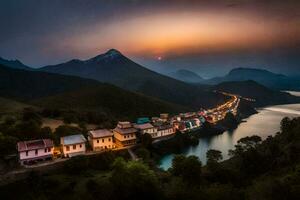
{"points": [[36, 152], [80, 145], [124, 136], [97, 141], [49, 149], [109, 139], [74, 146], [46, 150], [67, 148], [26, 153], [102, 140]]}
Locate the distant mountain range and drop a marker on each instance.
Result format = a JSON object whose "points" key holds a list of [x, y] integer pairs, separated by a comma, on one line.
{"points": [[264, 77], [52, 91], [14, 64], [186, 76], [251, 89], [57, 83], [113, 67]]}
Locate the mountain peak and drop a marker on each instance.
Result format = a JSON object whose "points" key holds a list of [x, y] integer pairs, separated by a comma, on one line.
{"points": [[113, 52], [13, 63], [109, 55]]}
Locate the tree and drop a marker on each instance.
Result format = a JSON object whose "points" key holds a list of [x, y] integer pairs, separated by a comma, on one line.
{"points": [[229, 121], [213, 155], [146, 140], [29, 114], [7, 144], [65, 130], [245, 144], [134, 180], [188, 168], [143, 153]]}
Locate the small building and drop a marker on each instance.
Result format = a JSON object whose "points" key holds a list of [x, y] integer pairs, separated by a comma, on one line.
{"points": [[142, 120], [101, 139], [165, 130], [35, 150], [146, 128], [164, 117], [73, 145], [125, 134]]}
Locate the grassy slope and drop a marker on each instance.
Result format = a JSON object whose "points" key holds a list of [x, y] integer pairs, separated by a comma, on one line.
{"points": [[8, 106], [67, 92], [109, 99]]}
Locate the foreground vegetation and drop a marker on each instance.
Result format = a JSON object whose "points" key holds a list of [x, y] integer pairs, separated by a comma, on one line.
{"points": [[268, 169]]}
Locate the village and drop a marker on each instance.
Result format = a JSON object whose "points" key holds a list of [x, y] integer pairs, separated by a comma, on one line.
{"points": [[124, 136]]}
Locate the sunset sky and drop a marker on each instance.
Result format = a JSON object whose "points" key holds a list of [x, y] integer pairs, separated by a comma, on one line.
{"points": [[208, 37]]}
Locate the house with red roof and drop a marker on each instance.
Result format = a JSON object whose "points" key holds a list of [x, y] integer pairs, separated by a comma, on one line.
{"points": [[35, 150]]}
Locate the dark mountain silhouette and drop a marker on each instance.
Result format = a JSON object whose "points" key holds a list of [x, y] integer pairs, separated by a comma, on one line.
{"points": [[264, 77], [263, 95], [186, 76], [14, 64], [66, 92], [113, 67]]}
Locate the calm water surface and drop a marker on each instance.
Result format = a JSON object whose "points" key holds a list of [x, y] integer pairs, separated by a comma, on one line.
{"points": [[265, 123]]}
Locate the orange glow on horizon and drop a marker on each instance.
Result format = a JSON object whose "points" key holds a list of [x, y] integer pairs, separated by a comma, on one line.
{"points": [[182, 33]]}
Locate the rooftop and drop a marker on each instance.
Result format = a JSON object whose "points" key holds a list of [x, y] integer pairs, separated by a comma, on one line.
{"points": [[73, 139], [34, 144], [143, 126], [101, 133], [125, 130]]}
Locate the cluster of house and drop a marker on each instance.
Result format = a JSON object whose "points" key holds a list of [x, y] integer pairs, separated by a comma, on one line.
{"points": [[123, 135]]}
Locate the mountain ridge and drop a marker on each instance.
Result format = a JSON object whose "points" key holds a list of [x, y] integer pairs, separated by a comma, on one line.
{"points": [[115, 68], [186, 76], [53, 91], [264, 77]]}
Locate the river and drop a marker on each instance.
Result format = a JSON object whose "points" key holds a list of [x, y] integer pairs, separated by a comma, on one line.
{"points": [[265, 123]]}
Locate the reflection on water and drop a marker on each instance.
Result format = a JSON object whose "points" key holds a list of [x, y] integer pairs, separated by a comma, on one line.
{"points": [[265, 123]]}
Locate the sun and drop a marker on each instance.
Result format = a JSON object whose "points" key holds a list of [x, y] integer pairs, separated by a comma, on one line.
{"points": [[159, 58]]}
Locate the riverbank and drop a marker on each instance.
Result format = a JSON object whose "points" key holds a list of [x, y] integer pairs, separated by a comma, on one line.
{"points": [[264, 122], [190, 138]]}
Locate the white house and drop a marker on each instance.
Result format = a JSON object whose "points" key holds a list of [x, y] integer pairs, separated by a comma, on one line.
{"points": [[101, 139], [73, 145], [146, 128], [165, 130], [35, 150]]}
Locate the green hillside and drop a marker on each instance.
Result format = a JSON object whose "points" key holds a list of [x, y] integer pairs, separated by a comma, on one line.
{"points": [[53, 91], [8, 106], [104, 98]]}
